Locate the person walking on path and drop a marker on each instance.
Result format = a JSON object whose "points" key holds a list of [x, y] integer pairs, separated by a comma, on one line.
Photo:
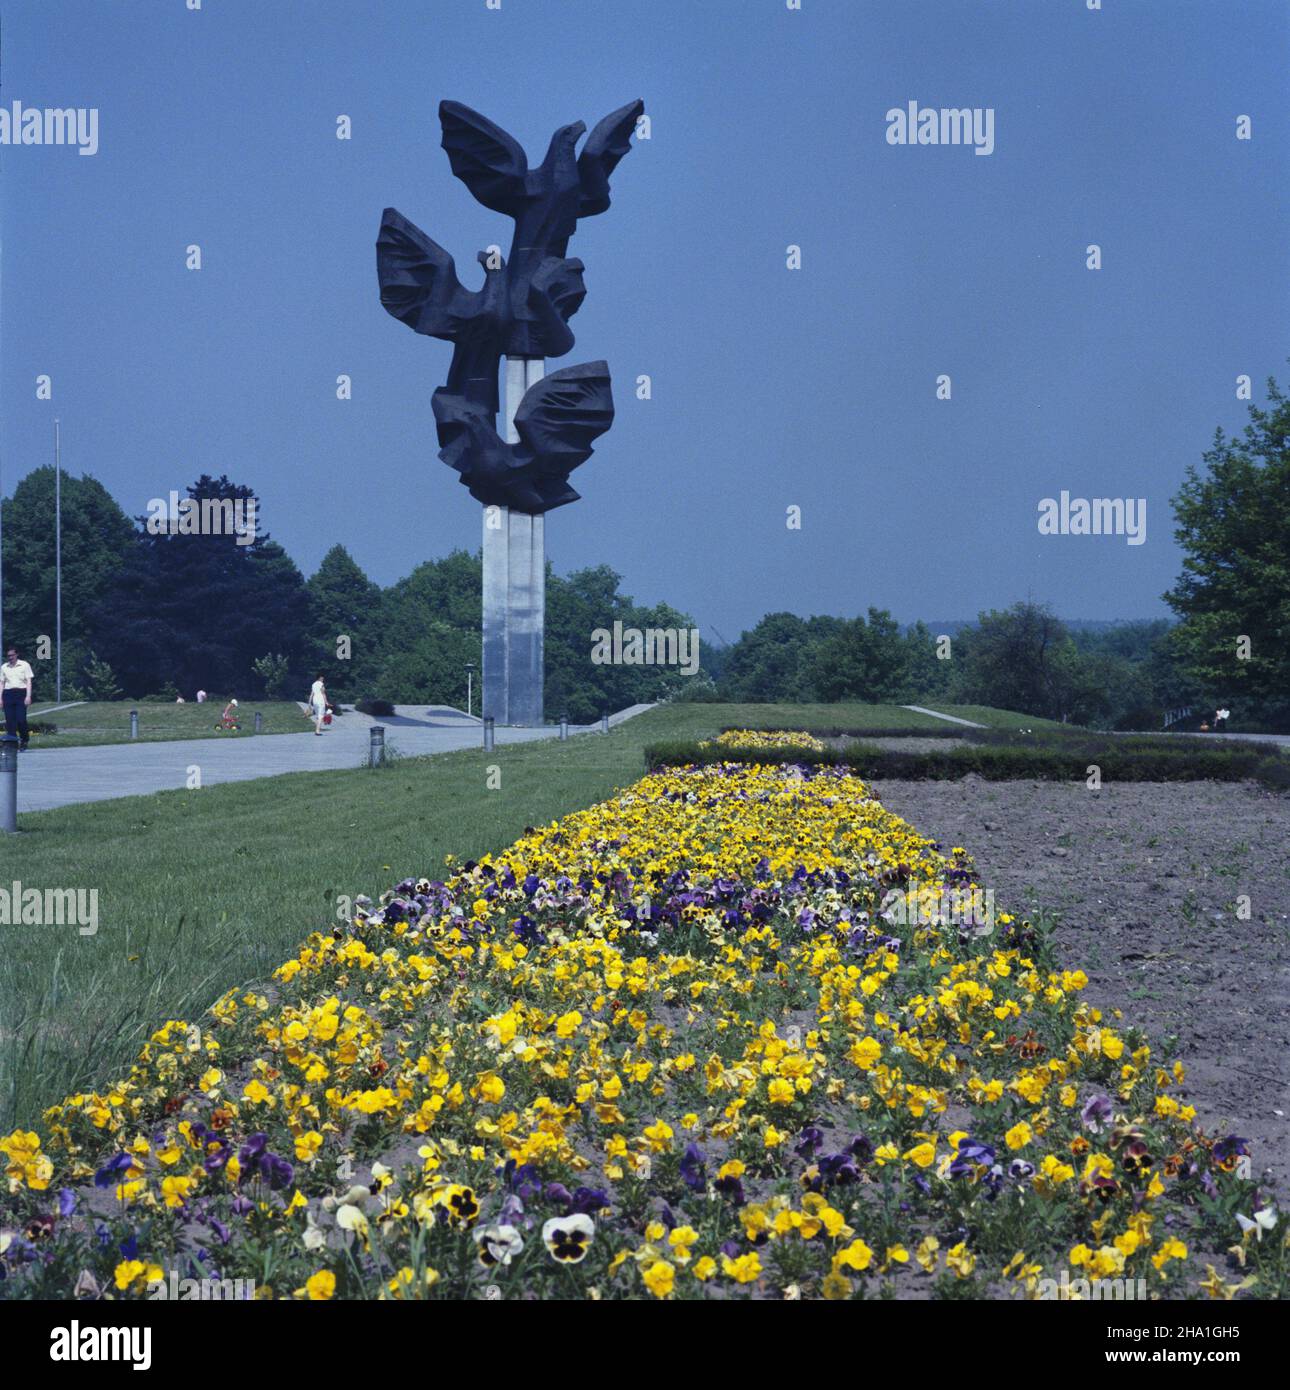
{"points": [[318, 703], [15, 683]]}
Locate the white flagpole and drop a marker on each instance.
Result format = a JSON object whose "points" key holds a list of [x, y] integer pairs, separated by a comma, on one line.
{"points": [[58, 568]]}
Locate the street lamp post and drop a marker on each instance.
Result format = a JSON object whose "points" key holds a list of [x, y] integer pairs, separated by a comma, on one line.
{"points": [[470, 683]]}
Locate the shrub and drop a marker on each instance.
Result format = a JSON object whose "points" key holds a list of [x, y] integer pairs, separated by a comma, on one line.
{"points": [[100, 682], [274, 672]]}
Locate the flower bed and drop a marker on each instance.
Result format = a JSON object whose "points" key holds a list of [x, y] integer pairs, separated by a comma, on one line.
{"points": [[665, 1047], [766, 738]]}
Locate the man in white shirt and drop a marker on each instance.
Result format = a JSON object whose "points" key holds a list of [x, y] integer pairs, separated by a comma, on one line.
{"points": [[15, 687]]}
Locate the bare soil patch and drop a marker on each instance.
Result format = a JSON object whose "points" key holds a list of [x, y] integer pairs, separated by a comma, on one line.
{"points": [[899, 745], [1144, 881]]}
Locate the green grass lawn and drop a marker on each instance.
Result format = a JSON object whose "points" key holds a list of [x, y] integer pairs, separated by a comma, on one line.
{"points": [[993, 718], [838, 716], [108, 721], [203, 890]]}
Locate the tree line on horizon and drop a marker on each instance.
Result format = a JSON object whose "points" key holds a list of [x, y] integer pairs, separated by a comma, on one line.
{"points": [[148, 613]]}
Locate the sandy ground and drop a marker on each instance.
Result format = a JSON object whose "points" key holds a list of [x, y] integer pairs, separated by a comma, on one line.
{"points": [[1144, 882]]}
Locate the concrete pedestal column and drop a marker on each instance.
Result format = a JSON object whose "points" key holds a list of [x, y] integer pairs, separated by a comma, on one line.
{"points": [[514, 586]]}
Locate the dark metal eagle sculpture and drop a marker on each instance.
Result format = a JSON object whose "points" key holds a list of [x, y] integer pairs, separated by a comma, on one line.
{"points": [[522, 310]]}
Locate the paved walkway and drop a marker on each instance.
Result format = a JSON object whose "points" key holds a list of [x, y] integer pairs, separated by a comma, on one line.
{"points": [[1282, 739], [949, 718], [51, 777]]}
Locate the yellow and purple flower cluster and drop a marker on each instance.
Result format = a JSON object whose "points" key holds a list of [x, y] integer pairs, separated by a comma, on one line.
{"points": [[767, 738], [665, 1047]]}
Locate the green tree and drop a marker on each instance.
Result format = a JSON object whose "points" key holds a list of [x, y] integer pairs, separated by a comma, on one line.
{"points": [[1097, 688], [430, 669], [1020, 658], [1233, 596], [776, 659], [346, 615], [197, 610], [424, 632], [1139, 674], [927, 675], [577, 606], [97, 542], [864, 660]]}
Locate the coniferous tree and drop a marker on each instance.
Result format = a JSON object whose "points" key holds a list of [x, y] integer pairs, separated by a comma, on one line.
{"points": [[197, 610], [346, 629]]}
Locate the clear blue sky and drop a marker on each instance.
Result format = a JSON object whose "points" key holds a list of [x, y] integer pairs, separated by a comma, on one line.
{"points": [[772, 388]]}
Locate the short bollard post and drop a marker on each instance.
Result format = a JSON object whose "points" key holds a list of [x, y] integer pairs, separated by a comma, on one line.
{"points": [[376, 746], [134, 723], [259, 722], [564, 726], [8, 784], [604, 723], [489, 732]]}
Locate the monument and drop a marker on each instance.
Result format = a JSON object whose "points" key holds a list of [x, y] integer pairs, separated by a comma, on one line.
{"points": [[522, 313]]}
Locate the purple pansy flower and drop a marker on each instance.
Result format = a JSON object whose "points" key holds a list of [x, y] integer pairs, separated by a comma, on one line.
{"points": [[1096, 1113], [693, 1168]]}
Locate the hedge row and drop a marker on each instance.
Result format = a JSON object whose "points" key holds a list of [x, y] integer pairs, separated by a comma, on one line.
{"points": [[1118, 761]]}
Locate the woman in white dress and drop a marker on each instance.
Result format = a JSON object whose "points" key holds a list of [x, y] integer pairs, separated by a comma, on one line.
{"points": [[318, 704]]}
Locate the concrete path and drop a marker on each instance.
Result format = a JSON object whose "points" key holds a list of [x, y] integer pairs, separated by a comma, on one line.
{"points": [[51, 777], [949, 718], [1282, 739], [629, 713]]}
